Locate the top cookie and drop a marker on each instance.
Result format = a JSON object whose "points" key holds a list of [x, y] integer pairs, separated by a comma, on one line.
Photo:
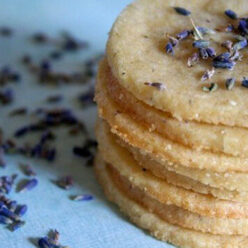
{"points": [[136, 52]]}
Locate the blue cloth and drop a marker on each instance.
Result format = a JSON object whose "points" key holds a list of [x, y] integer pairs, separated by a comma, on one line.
{"points": [[96, 223]]}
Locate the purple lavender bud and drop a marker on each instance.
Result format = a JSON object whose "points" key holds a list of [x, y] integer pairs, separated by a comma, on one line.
{"points": [[44, 243], [231, 14], [223, 64], [21, 131], [203, 53], [51, 154], [182, 11], [183, 35], [243, 26], [201, 43], [12, 205], [17, 225], [211, 52], [21, 210], [223, 57], [169, 48], [240, 45], [5, 220], [83, 197], [7, 213], [28, 185]]}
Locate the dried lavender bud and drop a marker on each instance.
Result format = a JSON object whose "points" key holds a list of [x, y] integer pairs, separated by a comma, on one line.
{"points": [[169, 48], [56, 55], [44, 243], [205, 31], [40, 38], [235, 56], [12, 205], [26, 60], [156, 85], [65, 182], [223, 57], [245, 82], [6, 96], [194, 59], [229, 28], [231, 14], [54, 237], [223, 64], [28, 185], [9, 214], [183, 35], [27, 170], [173, 41], [203, 53], [6, 31], [182, 11], [211, 52], [208, 74], [18, 111], [240, 45], [21, 210], [5, 220], [83, 197], [243, 26], [87, 98], [81, 151], [211, 88], [201, 44], [230, 83], [16, 225]]}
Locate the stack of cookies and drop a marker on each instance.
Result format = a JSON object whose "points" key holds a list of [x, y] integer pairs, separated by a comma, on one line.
{"points": [[172, 98]]}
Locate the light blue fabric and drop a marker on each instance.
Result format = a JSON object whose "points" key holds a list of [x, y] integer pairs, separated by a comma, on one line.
{"points": [[94, 224]]}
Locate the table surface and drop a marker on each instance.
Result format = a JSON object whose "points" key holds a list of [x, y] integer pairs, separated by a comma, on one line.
{"points": [[96, 223]]}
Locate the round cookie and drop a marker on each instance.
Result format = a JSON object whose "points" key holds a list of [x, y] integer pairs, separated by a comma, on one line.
{"points": [[160, 148], [159, 189], [199, 136], [136, 55], [179, 216], [181, 237]]}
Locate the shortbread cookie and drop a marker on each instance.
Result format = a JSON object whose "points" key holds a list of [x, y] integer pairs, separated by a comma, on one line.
{"points": [[136, 55], [181, 237]]}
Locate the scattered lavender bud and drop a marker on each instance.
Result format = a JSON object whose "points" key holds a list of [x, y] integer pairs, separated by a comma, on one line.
{"points": [[28, 185], [211, 88], [235, 56], [169, 48], [21, 131], [211, 52], [65, 182], [83, 197], [9, 214], [245, 82], [194, 59], [21, 210], [223, 64], [240, 45], [182, 11], [40, 38], [12, 205], [230, 83], [205, 31], [44, 243], [6, 31], [229, 28], [156, 85], [203, 53], [81, 152], [16, 225], [201, 44], [183, 35], [208, 74], [231, 14], [173, 41], [5, 220], [18, 111], [27, 170], [243, 26], [26, 60]]}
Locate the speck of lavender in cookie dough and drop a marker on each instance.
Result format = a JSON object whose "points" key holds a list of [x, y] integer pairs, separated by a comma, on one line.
{"points": [[201, 44], [208, 74], [182, 11], [28, 185], [169, 48], [212, 87], [156, 85], [230, 83]]}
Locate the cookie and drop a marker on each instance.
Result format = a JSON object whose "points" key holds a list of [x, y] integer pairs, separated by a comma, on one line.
{"points": [[136, 55], [181, 237]]}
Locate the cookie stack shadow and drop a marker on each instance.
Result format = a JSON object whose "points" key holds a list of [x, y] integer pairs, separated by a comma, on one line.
{"points": [[158, 171]]}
